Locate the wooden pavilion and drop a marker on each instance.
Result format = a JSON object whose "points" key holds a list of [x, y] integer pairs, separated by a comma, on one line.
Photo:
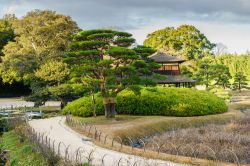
{"points": [[170, 66]]}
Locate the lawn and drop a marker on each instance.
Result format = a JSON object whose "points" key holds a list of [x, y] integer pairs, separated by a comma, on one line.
{"points": [[21, 153], [141, 126], [160, 128]]}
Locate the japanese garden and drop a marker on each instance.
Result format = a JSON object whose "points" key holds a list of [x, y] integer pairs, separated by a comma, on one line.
{"points": [[83, 97]]}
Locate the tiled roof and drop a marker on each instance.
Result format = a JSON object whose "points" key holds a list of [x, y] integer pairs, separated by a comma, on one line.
{"points": [[175, 79], [162, 57]]}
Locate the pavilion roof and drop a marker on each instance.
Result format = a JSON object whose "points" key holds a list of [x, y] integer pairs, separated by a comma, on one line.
{"points": [[163, 58], [171, 79]]}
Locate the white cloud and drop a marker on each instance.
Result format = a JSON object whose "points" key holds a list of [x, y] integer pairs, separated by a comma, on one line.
{"points": [[225, 21], [235, 37]]}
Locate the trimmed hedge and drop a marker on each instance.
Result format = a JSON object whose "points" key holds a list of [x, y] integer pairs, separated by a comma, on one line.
{"points": [[84, 106], [155, 101]]}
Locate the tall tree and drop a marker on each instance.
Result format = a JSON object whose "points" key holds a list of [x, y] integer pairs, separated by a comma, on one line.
{"points": [[205, 73], [6, 31], [52, 72], [221, 75], [211, 73], [236, 63], [42, 36], [105, 57], [186, 41], [240, 81], [67, 92]]}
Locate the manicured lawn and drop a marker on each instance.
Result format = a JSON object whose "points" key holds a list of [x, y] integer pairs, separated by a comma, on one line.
{"points": [[102, 120], [140, 126], [21, 154], [158, 126]]}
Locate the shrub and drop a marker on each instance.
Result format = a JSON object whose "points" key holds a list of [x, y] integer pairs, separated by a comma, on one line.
{"points": [[170, 102], [84, 106], [156, 101], [3, 125]]}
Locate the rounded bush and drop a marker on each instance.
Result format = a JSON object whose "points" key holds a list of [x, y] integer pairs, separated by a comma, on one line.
{"points": [[156, 101], [84, 106]]}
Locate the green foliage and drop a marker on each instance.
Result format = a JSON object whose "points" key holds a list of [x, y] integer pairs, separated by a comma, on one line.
{"points": [[156, 101], [222, 93], [236, 63], [6, 31], [52, 72], [221, 75], [3, 124], [240, 81], [41, 36], [185, 41], [22, 154], [204, 74], [67, 92], [85, 106], [170, 102], [39, 96], [103, 58], [209, 71]]}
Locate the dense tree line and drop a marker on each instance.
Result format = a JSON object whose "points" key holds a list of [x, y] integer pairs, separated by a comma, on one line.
{"points": [[49, 53], [207, 63], [236, 63], [33, 48]]}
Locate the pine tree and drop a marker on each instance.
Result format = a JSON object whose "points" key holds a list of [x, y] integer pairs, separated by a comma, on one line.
{"points": [[240, 81], [106, 58]]}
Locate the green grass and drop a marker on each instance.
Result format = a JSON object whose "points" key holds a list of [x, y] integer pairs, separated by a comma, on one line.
{"points": [[242, 93], [102, 120], [161, 125], [21, 154], [141, 126]]}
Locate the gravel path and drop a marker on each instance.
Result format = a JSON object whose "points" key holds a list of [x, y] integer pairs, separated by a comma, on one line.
{"points": [[56, 130]]}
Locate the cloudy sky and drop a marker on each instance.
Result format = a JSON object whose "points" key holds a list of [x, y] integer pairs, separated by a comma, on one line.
{"points": [[222, 21]]}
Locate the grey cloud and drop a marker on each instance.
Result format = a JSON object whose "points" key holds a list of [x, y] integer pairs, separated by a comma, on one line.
{"points": [[132, 13]]}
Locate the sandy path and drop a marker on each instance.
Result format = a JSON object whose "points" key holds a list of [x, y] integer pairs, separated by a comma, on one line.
{"points": [[57, 131]]}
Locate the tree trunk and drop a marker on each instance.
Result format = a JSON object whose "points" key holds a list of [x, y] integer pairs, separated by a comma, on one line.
{"points": [[94, 104], [207, 81], [63, 103], [239, 86], [109, 106]]}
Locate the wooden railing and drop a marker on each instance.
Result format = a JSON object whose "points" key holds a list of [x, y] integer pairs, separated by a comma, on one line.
{"points": [[168, 72]]}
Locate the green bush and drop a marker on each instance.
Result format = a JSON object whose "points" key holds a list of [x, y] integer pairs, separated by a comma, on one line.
{"points": [[84, 106], [156, 101], [3, 125]]}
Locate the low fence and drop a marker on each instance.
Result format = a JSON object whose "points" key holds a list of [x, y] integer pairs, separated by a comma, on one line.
{"points": [[11, 122], [53, 150], [149, 146]]}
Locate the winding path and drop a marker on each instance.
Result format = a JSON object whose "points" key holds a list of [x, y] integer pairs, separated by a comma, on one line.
{"points": [[56, 130]]}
